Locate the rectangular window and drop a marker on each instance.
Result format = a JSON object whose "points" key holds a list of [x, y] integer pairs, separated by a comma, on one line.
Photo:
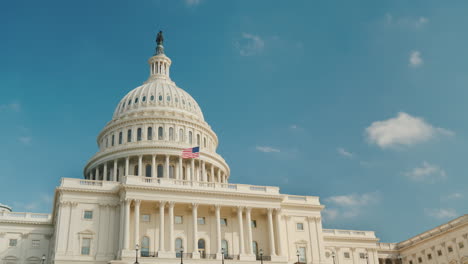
{"points": [[253, 223], [178, 219], [129, 135], [362, 255], [420, 260], [346, 255], [300, 226], [120, 137], [85, 246], [439, 252], [35, 243], [429, 256], [13, 242], [450, 249], [201, 220], [460, 245], [88, 215], [302, 254], [145, 218], [113, 140], [223, 221]]}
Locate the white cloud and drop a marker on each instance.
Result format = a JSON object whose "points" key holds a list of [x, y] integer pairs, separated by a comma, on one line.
{"points": [[402, 130], [415, 59], [454, 196], [192, 2], [350, 206], [14, 106], [345, 153], [441, 213], [25, 140], [426, 173], [250, 44], [406, 22], [267, 149]]}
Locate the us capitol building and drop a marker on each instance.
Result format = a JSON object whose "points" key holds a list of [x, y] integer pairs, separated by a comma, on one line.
{"points": [[139, 196]]}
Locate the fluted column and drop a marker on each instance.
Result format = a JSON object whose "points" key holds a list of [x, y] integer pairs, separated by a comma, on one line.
{"points": [[114, 172], [249, 230], [195, 228], [140, 165], [278, 232], [192, 170], [241, 230], [270, 232], [153, 166], [104, 176], [171, 227], [218, 228], [180, 172], [127, 225], [137, 221], [127, 165], [161, 226], [166, 170]]}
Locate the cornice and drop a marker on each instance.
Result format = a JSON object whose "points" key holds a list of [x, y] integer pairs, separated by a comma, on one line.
{"points": [[17, 221]]}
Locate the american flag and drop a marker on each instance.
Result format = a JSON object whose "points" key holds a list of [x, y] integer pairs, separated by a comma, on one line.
{"points": [[191, 153]]}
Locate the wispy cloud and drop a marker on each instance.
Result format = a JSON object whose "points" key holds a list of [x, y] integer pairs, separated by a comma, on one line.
{"points": [[250, 44], [343, 152], [414, 23], [267, 149], [453, 196], [402, 130], [428, 173], [415, 59], [192, 2], [25, 140], [441, 213], [14, 106], [350, 206]]}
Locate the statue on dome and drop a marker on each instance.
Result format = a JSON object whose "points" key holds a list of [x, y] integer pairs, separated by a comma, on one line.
{"points": [[159, 38]]}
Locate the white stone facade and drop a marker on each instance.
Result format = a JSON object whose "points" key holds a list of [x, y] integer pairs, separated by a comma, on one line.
{"points": [[137, 190]]}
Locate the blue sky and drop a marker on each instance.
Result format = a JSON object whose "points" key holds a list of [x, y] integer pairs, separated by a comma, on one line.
{"points": [[362, 103]]}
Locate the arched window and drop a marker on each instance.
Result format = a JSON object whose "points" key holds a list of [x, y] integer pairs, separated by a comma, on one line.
{"points": [[255, 247], [148, 170], [178, 246], [190, 137], [181, 135], [225, 248], [171, 172], [135, 170], [136, 100], [201, 247], [152, 97], [198, 140], [112, 140], [171, 134], [160, 133], [139, 134], [145, 244], [129, 135], [149, 135], [144, 98], [160, 171], [120, 137]]}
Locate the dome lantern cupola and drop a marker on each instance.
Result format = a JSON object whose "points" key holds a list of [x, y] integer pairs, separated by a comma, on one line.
{"points": [[159, 63]]}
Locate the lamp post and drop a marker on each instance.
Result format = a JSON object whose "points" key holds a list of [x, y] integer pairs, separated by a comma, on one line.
{"points": [[333, 256], [43, 258], [222, 255], [181, 255], [261, 256], [136, 253], [297, 254]]}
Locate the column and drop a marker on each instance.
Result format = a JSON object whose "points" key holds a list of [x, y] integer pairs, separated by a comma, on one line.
{"points": [[127, 225], [121, 225], [278, 232], [96, 173], [202, 175], [354, 256], [104, 176], [161, 226], [376, 256], [187, 172], [140, 165], [195, 229], [219, 175], [212, 174], [218, 229], [137, 222], [249, 230], [192, 170], [434, 255], [114, 172], [241, 230], [166, 170], [180, 172], [127, 165], [153, 166], [270, 232], [171, 227]]}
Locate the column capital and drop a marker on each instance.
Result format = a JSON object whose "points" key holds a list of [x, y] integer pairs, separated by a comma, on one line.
{"points": [[240, 208], [162, 203], [195, 205], [248, 209], [270, 210], [217, 206], [137, 202], [278, 211], [171, 204]]}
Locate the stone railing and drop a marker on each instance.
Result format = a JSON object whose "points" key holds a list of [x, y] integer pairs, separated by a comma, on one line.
{"points": [[227, 187], [28, 217], [387, 246], [89, 184], [299, 199], [348, 233]]}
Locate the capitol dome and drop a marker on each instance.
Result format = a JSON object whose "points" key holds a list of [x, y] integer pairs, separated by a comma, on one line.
{"points": [[150, 128]]}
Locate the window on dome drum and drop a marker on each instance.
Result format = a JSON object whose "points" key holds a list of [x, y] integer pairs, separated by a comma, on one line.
{"points": [[223, 221], [198, 140], [136, 100], [410, 262], [152, 98], [143, 99], [160, 133], [148, 170], [429, 256], [362, 255], [299, 226], [135, 170], [112, 143], [190, 137], [176, 100], [160, 98], [178, 247], [35, 243], [450, 249], [204, 142], [439, 252], [419, 259], [178, 219], [253, 223], [150, 133], [85, 246], [129, 135], [13, 242], [139, 134], [183, 101], [145, 244], [168, 98], [460, 245], [184, 173], [302, 254], [181, 135], [171, 134], [107, 142], [160, 171], [201, 220], [145, 218], [171, 171], [120, 137], [88, 215], [129, 102]]}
